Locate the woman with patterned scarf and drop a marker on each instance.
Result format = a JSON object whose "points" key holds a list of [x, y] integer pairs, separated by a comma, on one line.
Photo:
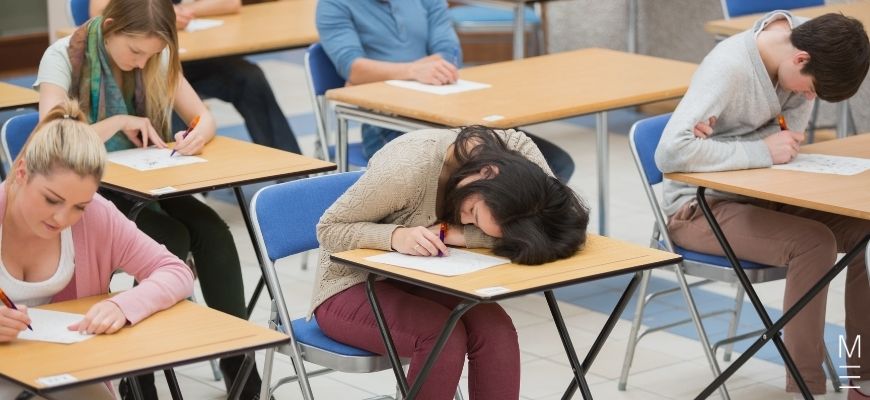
{"points": [[124, 70]]}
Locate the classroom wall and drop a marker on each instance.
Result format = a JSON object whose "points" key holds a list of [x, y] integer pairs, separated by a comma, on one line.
{"points": [[666, 28]]}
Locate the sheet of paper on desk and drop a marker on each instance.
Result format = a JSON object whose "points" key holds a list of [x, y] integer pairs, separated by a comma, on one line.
{"points": [[459, 262], [199, 24], [51, 326], [825, 164], [458, 87], [151, 158]]}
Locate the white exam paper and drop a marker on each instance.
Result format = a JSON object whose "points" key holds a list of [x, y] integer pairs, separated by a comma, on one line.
{"points": [[825, 164], [151, 158], [459, 262], [458, 87], [199, 24], [51, 326]]}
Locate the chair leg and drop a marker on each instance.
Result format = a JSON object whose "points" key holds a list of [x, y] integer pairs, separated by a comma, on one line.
{"points": [[699, 326], [266, 382], [735, 320], [832, 372], [635, 328]]}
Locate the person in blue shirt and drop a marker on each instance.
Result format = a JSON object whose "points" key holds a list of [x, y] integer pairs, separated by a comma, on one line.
{"points": [[376, 40]]}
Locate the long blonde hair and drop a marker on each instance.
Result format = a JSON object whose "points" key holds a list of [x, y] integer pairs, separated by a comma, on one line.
{"points": [[63, 139], [150, 18]]}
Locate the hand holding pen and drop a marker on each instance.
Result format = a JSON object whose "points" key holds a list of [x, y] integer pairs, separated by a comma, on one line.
{"points": [[783, 146], [16, 315], [179, 138]]}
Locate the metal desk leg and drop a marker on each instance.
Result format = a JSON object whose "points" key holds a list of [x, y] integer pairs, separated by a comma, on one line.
{"points": [[341, 146], [25, 395], [135, 388], [172, 382], [842, 119], [772, 333], [602, 142], [632, 26], [519, 30], [242, 377], [246, 215], [455, 315], [756, 303], [580, 370]]}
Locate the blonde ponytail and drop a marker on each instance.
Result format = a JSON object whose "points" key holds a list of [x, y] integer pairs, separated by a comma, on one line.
{"points": [[63, 139]]}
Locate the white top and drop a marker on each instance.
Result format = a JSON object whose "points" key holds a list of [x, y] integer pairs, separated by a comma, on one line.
{"points": [[38, 293], [56, 68]]}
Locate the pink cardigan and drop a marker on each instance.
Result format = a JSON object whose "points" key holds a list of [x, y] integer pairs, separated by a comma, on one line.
{"points": [[105, 240]]}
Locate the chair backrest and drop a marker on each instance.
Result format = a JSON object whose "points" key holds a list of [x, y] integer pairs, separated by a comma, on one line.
{"points": [[79, 11], [644, 138], [736, 8], [321, 75], [285, 216], [15, 132]]}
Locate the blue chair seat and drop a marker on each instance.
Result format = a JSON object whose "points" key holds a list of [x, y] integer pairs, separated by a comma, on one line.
{"points": [[488, 15], [309, 333], [354, 154], [716, 260]]}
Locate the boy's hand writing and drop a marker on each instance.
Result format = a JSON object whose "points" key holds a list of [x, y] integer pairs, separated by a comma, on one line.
{"points": [[784, 145], [434, 70]]}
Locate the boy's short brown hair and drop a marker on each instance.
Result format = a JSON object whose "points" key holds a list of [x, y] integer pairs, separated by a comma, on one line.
{"points": [[839, 54]]}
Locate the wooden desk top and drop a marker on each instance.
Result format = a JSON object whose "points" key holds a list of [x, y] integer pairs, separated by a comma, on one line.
{"points": [[534, 90], [602, 257], [838, 194], [12, 96], [728, 27], [257, 28], [230, 163], [185, 333]]}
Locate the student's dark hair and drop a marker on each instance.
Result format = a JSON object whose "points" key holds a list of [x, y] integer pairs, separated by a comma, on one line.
{"points": [[839, 54], [541, 218]]}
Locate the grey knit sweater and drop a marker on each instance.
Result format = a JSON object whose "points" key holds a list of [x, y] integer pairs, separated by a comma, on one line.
{"points": [[731, 84], [399, 188]]}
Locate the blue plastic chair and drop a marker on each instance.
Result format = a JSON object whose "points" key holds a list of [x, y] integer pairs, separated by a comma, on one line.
{"points": [[644, 138], [15, 132], [283, 231], [737, 8], [79, 11], [321, 76]]}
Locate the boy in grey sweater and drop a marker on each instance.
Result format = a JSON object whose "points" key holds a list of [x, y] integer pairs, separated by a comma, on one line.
{"points": [[727, 121]]}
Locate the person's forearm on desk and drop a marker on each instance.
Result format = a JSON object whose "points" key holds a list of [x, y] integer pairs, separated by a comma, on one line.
{"points": [[433, 70]]}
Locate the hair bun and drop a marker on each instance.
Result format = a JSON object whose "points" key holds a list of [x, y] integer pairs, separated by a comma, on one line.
{"points": [[67, 109]]}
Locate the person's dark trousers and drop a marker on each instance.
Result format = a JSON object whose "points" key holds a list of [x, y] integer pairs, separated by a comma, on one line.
{"points": [[374, 137], [243, 84], [186, 225]]}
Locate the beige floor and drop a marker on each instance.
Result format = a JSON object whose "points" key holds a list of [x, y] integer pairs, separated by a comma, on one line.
{"points": [[667, 366]]}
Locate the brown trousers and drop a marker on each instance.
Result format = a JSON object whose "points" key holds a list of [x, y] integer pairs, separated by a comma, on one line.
{"points": [[806, 241]]}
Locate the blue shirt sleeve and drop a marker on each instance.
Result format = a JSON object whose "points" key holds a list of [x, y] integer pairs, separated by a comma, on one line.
{"points": [[442, 37], [338, 35]]}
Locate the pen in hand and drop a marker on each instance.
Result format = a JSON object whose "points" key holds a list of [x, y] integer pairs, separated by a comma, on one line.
{"points": [[189, 128], [8, 303], [782, 125], [442, 233]]}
